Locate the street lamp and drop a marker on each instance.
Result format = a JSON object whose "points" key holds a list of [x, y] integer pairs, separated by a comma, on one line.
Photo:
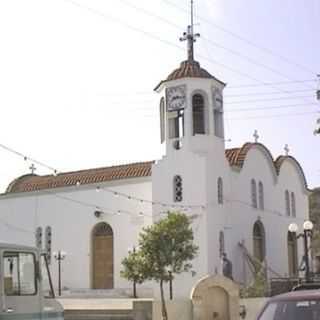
{"points": [[307, 232], [59, 256]]}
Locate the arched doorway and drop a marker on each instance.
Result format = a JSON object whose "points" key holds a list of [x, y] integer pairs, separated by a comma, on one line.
{"points": [[215, 298], [102, 256]]}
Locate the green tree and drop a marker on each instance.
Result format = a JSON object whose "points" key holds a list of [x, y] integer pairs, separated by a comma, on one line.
{"points": [[133, 269], [166, 249]]}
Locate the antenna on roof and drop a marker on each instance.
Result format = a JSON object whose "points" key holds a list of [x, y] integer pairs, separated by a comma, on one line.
{"points": [[190, 36]]}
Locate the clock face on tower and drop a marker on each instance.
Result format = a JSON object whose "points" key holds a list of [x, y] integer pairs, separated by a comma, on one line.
{"points": [[176, 98]]}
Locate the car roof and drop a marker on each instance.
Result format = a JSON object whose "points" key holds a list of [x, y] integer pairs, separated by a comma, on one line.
{"points": [[298, 295]]}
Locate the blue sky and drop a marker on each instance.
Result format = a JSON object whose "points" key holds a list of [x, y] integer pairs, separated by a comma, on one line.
{"points": [[77, 77]]}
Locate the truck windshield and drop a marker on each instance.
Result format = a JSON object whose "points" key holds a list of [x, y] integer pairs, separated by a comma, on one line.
{"points": [[47, 287], [19, 273], [292, 310]]}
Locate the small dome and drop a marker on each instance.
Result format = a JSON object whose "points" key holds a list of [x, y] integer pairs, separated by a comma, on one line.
{"points": [[188, 69]]}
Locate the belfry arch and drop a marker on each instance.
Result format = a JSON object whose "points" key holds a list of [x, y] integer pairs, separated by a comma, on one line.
{"points": [[102, 256]]}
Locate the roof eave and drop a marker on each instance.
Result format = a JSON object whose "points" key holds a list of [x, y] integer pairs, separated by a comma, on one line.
{"points": [[160, 85]]}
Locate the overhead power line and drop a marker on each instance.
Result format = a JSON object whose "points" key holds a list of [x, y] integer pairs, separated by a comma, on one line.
{"points": [[234, 52], [271, 84], [148, 34], [266, 93], [269, 108], [247, 41], [268, 99], [151, 92], [27, 158], [264, 117]]}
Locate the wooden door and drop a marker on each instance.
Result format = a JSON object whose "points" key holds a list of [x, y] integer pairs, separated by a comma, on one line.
{"points": [[102, 247]]}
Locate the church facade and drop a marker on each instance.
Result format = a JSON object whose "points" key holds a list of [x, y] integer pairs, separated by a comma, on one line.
{"points": [[241, 200]]}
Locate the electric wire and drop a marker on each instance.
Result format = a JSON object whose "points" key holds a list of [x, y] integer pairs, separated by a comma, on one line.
{"points": [[272, 83], [150, 35], [234, 52], [213, 43], [268, 108], [268, 99], [264, 117], [266, 93], [249, 42]]}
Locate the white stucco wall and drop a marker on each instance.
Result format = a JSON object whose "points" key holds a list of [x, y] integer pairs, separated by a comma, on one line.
{"points": [[72, 224], [258, 166]]}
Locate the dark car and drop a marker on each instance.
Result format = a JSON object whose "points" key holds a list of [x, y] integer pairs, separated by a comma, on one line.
{"points": [[295, 305]]}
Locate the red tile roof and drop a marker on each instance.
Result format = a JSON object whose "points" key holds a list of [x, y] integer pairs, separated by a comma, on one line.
{"points": [[237, 156], [31, 182], [188, 69]]}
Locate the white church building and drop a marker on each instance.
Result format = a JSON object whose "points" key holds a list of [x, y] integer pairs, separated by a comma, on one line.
{"points": [[242, 200]]}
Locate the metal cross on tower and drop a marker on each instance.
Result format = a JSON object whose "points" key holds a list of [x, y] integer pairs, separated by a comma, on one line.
{"points": [[32, 168], [286, 149], [190, 36], [256, 136]]}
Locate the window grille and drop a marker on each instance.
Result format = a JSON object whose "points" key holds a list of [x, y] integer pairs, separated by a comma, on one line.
{"points": [[177, 188]]}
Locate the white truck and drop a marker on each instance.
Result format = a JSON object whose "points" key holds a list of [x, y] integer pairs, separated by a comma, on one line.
{"points": [[26, 290]]}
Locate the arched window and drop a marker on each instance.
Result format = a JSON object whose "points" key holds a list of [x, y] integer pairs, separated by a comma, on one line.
{"points": [[292, 254], [177, 189], [293, 205], [198, 114], [287, 202], [162, 120], [259, 248], [218, 113], [221, 243], [261, 196], [220, 190], [254, 194]]}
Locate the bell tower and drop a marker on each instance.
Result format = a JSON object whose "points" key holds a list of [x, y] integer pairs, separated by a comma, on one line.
{"points": [[186, 178], [191, 104]]}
